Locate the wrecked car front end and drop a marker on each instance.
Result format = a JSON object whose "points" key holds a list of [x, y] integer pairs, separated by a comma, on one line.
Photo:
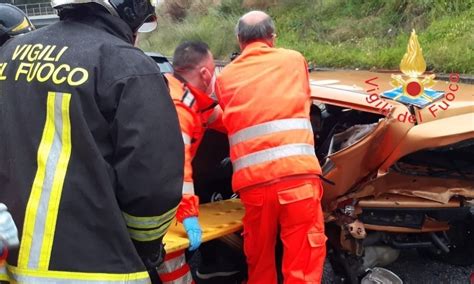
{"points": [[394, 185], [400, 176]]}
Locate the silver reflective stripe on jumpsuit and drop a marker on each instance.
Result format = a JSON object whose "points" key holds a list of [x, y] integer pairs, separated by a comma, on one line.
{"points": [[188, 187], [268, 128], [267, 155], [186, 138]]}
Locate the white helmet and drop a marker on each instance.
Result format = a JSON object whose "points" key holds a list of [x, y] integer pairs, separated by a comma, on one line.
{"points": [[138, 14]]}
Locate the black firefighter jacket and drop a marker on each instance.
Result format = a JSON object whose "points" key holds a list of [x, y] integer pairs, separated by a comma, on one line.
{"points": [[91, 155]]}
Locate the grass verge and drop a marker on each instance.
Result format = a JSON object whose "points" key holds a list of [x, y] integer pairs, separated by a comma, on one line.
{"points": [[339, 33]]}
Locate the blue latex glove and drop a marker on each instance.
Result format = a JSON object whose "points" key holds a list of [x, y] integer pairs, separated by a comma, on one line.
{"points": [[193, 229], [8, 231]]}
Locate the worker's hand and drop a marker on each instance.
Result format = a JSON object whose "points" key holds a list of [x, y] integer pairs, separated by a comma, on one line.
{"points": [[193, 229], [8, 231]]}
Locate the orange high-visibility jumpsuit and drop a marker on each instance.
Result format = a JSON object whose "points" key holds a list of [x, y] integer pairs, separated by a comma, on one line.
{"points": [[196, 111], [3, 256], [265, 97]]}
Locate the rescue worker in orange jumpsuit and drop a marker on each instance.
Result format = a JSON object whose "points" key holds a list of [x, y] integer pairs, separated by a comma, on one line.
{"points": [[191, 87], [265, 97]]}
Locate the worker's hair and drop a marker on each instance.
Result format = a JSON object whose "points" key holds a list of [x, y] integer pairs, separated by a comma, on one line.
{"points": [[189, 55], [247, 33]]}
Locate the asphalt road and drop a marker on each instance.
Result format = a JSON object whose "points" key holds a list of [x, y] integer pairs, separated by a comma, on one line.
{"points": [[414, 268]]}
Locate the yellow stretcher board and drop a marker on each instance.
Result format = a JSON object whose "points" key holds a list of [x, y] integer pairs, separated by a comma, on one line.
{"points": [[217, 219]]}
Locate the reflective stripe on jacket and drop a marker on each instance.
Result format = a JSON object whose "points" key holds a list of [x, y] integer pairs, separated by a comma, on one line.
{"points": [[17, 275], [194, 109], [3, 272], [175, 269], [265, 97]]}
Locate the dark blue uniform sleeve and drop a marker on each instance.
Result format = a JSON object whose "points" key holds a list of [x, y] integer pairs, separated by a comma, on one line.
{"points": [[148, 158]]}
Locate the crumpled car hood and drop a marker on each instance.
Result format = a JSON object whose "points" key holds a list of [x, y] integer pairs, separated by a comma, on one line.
{"points": [[374, 154]]}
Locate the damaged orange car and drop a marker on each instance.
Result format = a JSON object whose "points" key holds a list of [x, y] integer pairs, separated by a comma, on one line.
{"points": [[401, 171]]}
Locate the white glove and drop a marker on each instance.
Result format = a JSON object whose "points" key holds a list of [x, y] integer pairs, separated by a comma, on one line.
{"points": [[8, 230]]}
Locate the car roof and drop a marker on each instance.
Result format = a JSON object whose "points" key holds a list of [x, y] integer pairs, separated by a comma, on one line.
{"points": [[155, 54]]}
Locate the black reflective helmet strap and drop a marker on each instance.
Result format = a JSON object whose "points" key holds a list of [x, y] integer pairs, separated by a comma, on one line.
{"points": [[9, 32]]}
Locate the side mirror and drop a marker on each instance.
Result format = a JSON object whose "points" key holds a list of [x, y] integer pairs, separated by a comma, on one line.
{"points": [[234, 55]]}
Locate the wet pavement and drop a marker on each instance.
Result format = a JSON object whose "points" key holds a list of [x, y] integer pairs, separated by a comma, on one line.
{"points": [[414, 268]]}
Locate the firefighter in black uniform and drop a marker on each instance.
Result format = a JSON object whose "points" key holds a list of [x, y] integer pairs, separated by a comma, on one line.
{"points": [[91, 154]]}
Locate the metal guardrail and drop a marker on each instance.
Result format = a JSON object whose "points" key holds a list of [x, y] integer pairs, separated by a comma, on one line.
{"points": [[221, 63], [37, 9]]}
